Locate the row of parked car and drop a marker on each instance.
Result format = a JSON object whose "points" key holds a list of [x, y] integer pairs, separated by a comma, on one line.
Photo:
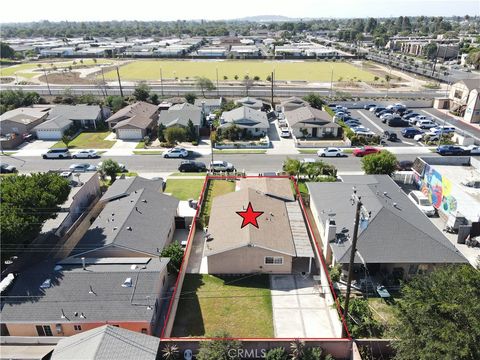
{"points": [[64, 153]]}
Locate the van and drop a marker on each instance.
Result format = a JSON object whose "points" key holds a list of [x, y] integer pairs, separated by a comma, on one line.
{"points": [[422, 202], [426, 124], [59, 153]]}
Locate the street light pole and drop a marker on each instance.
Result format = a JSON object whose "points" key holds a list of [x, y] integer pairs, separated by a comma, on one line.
{"points": [[357, 200], [216, 70], [161, 81], [331, 84], [119, 82], [46, 79]]}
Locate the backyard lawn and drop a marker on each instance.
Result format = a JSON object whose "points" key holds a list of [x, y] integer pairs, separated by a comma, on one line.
{"points": [[284, 70], [184, 189], [241, 306], [88, 140]]}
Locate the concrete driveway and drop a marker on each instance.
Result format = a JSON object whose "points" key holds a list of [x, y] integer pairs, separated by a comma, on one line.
{"points": [[280, 145], [299, 310], [35, 148]]}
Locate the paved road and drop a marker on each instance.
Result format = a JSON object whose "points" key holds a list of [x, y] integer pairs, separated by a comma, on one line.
{"points": [[251, 163]]}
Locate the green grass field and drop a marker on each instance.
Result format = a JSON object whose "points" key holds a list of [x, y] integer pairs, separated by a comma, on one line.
{"points": [[184, 189], [88, 140], [284, 70], [241, 306]]}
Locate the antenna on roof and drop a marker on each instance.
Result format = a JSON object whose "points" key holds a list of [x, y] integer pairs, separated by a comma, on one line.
{"points": [[82, 316], [91, 291], [63, 315]]}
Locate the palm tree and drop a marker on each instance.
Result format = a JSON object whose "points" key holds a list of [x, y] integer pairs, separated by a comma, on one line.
{"points": [[170, 352], [293, 167], [297, 348]]}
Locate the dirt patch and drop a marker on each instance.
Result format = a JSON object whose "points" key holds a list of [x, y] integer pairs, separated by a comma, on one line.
{"points": [[71, 77]]}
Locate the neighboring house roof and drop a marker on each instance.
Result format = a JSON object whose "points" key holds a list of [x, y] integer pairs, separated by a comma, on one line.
{"points": [[138, 222], [107, 342], [250, 102], [179, 114], [277, 188], [273, 231], [42, 292], [245, 117], [308, 115], [396, 230], [293, 103], [123, 187], [58, 123], [24, 115], [208, 102], [139, 115], [470, 83], [75, 112]]}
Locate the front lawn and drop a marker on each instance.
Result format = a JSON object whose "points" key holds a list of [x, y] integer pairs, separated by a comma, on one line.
{"points": [[216, 188], [88, 140], [239, 151], [184, 189], [148, 152], [241, 306], [195, 174]]}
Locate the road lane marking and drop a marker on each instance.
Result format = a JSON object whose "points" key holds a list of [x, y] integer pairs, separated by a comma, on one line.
{"points": [[371, 122]]}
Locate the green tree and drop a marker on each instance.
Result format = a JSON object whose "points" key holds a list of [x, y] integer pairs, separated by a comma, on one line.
{"points": [[153, 99], [191, 131], [6, 52], [115, 102], [141, 92], [27, 202], [204, 84], [175, 134], [190, 97], [314, 100], [232, 132], [473, 58], [161, 132], [297, 350], [278, 353], [222, 349], [175, 252], [438, 316], [110, 168], [292, 167], [383, 162], [66, 140], [430, 51], [170, 352]]}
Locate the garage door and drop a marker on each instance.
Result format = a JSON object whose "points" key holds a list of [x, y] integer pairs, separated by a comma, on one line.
{"points": [[129, 134], [49, 134]]}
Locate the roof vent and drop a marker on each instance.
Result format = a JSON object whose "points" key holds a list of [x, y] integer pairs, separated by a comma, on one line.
{"points": [[46, 284], [113, 214], [75, 313], [82, 315], [57, 268], [115, 228], [144, 201], [63, 315], [129, 228], [133, 267], [127, 282], [91, 291]]}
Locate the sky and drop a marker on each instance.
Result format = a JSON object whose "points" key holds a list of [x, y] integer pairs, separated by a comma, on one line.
{"points": [[105, 10]]}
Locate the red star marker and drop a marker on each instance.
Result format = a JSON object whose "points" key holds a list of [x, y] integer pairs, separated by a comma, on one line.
{"points": [[249, 216]]}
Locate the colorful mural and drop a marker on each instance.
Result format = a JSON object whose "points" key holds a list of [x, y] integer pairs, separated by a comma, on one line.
{"points": [[438, 189]]}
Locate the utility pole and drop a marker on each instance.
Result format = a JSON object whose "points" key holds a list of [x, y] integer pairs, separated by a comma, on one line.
{"points": [[273, 73], [356, 199], [331, 84], [119, 82], [161, 81], [46, 79], [216, 70], [104, 84]]}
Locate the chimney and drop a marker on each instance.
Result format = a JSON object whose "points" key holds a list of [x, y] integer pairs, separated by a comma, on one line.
{"points": [[83, 263]]}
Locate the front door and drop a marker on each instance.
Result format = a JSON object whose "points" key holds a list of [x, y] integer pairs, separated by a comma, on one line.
{"points": [[314, 132]]}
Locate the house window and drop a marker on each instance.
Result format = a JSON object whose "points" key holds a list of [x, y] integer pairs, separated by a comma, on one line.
{"points": [[458, 94], [77, 327], [273, 260], [44, 330]]}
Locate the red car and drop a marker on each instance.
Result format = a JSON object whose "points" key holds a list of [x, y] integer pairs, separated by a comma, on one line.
{"points": [[366, 150]]}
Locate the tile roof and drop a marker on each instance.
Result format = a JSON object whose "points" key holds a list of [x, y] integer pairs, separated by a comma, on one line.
{"points": [[396, 231], [139, 222], [107, 343], [95, 291]]}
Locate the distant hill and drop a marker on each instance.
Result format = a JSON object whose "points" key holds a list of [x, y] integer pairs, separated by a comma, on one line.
{"points": [[267, 18]]}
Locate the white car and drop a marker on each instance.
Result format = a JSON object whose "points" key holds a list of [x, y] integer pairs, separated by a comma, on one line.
{"points": [[219, 165], [330, 152], [445, 129], [82, 167], [176, 152], [426, 124], [422, 202], [85, 154], [285, 133], [472, 149]]}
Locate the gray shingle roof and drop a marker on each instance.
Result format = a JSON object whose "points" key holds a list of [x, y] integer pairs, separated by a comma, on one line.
{"points": [[123, 187], [250, 102], [70, 288], [394, 234], [140, 108], [179, 114], [308, 115], [148, 214], [75, 112], [245, 117], [55, 123], [107, 343], [208, 102], [25, 115]]}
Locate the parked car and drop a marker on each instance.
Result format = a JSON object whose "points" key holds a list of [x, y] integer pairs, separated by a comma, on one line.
{"points": [[340, 108], [387, 116], [444, 129], [7, 169], [122, 167], [28, 137], [431, 137], [330, 152], [352, 122], [404, 165], [472, 149], [192, 166], [359, 128], [85, 154], [369, 106], [426, 124], [410, 132], [422, 202], [378, 110], [219, 165], [59, 153], [383, 112], [390, 135], [397, 121], [82, 167], [410, 115], [451, 150], [176, 152], [365, 150], [472, 183], [285, 133]]}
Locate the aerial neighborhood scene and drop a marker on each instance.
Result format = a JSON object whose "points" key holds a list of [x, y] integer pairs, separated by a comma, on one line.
{"points": [[266, 180]]}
